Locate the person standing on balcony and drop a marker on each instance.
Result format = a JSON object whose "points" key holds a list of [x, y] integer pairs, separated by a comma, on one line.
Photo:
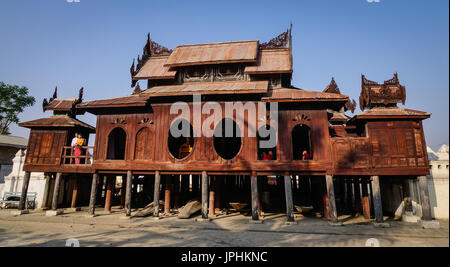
{"points": [[78, 147]]}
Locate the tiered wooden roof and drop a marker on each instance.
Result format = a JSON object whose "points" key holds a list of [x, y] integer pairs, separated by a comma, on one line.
{"points": [[57, 121]]}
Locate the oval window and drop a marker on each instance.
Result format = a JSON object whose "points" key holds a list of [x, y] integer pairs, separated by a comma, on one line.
{"points": [[227, 139], [181, 139]]}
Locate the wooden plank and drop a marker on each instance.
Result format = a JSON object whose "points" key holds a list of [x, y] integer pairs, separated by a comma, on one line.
{"points": [[377, 198]]}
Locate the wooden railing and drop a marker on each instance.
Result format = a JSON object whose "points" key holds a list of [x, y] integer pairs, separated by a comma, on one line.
{"points": [[86, 156]]}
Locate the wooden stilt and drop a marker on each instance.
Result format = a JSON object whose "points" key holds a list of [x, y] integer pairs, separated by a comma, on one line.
{"points": [[331, 198], [218, 193], [259, 183], [289, 201], [357, 190], [156, 193], [365, 198], [23, 197], [128, 193], [74, 193], [56, 191], [425, 198], [167, 193], [212, 191], [176, 191], [93, 194], [122, 192], [325, 200], [254, 189], [377, 199], [204, 195], [349, 197], [109, 192]]}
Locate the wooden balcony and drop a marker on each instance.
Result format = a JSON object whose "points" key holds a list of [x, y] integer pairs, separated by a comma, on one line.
{"points": [[86, 156]]}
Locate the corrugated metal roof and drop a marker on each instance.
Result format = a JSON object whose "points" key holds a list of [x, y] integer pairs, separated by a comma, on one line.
{"points": [[132, 100], [154, 69], [13, 141], [228, 87], [295, 94], [56, 121], [231, 52], [271, 61]]}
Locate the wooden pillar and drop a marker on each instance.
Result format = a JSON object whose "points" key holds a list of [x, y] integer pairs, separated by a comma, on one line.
{"points": [[109, 192], [254, 189], [195, 185], [331, 198], [349, 197], [217, 192], [93, 194], [74, 193], [23, 197], [357, 195], [56, 191], [425, 198], [325, 200], [167, 193], [365, 199], [289, 201], [156, 193], [377, 199], [212, 191], [204, 195], [122, 192], [176, 191], [128, 194], [259, 183]]}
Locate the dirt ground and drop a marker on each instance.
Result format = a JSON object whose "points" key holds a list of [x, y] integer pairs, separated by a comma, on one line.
{"points": [[233, 230]]}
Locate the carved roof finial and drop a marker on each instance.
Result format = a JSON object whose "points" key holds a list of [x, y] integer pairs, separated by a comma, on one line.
{"points": [[350, 105], [332, 87], [80, 95], [137, 89], [55, 95], [44, 104], [281, 41]]}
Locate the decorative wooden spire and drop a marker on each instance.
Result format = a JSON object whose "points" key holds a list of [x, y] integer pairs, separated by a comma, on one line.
{"points": [[332, 87]]}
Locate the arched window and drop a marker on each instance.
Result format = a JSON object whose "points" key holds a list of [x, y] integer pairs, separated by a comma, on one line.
{"points": [[301, 142], [227, 139], [117, 140], [181, 139], [267, 143], [144, 144]]}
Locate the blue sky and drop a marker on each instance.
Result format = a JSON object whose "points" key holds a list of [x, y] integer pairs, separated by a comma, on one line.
{"points": [[92, 44]]}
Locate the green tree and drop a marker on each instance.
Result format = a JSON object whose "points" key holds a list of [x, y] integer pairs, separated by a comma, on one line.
{"points": [[13, 100]]}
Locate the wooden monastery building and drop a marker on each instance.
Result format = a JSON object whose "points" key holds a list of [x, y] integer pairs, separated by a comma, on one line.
{"points": [[322, 159]]}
